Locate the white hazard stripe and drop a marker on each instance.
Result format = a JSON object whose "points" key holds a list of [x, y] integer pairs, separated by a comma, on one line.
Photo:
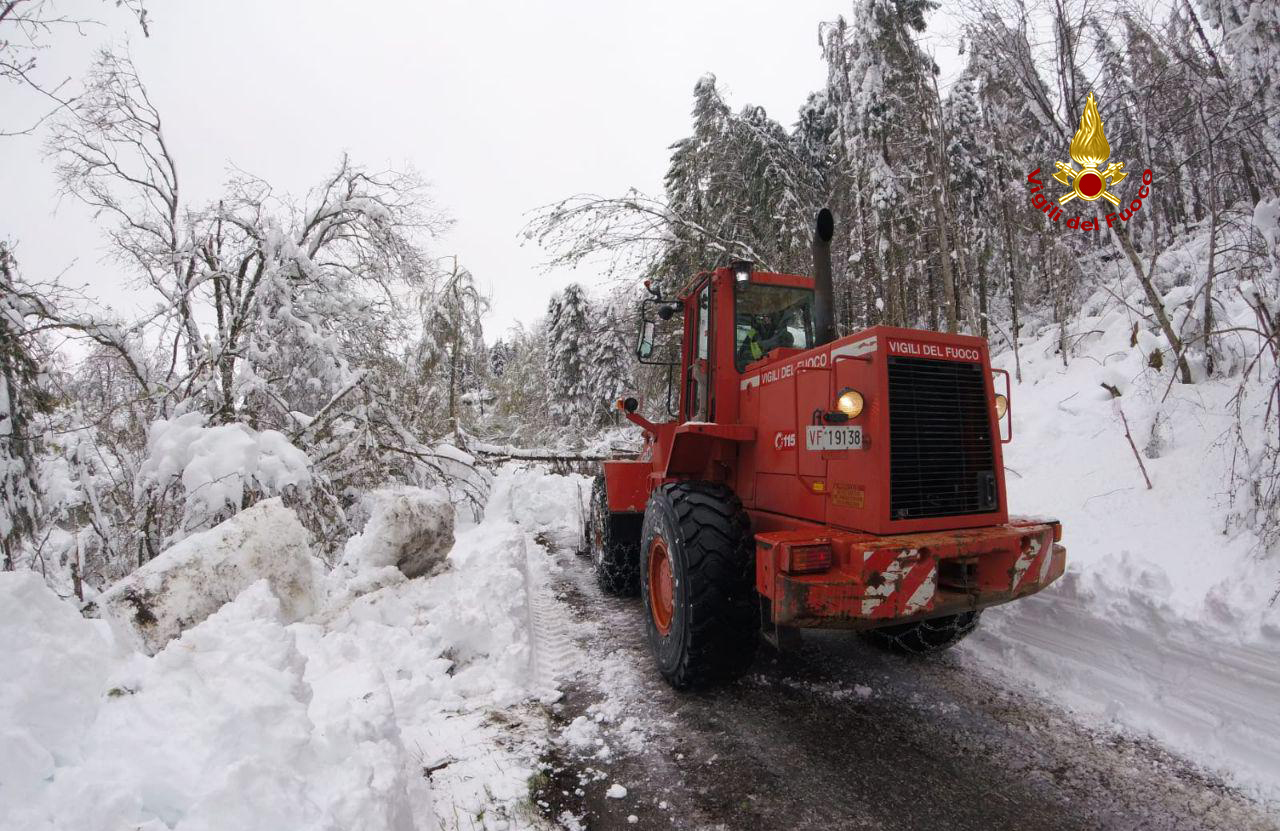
{"points": [[1046, 565], [895, 574], [923, 593], [854, 350], [1024, 561], [753, 381]]}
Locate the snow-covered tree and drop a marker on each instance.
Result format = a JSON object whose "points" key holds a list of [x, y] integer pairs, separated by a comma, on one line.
{"points": [[285, 317], [22, 397], [450, 359], [609, 366], [27, 30], [569, 350]]}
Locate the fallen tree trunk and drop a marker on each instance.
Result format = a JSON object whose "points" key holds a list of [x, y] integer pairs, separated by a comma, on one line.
{"points": [[515, 454]]}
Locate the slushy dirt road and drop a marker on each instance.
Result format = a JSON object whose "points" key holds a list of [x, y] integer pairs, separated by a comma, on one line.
{"points": [[842, 736]]}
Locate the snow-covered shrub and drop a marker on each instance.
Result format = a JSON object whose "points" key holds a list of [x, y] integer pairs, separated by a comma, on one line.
{"points": [[193, 579], [219, 466], [408, 528]]}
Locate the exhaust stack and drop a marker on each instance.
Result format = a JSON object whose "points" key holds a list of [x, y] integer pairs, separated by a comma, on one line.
{"points": [[824, 294]]}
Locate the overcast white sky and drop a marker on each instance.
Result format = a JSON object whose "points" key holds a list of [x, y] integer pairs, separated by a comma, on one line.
{"points": [[504, 107]]}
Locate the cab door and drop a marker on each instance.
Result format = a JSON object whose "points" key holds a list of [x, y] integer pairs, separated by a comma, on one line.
{"points": [[697, 397]]}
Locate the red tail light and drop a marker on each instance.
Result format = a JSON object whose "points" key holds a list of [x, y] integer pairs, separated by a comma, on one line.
{"points": [[802, 559]]}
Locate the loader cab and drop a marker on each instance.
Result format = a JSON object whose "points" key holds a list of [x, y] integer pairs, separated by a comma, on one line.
{"points": [[732, 318], [769, 317]]}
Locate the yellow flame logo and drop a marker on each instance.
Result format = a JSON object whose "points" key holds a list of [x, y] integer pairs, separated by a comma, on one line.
{"points": [[1089, 149]]}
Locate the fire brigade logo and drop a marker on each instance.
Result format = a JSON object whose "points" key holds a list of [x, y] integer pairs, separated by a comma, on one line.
{"points": [[1089, 149], [1091, 182]]}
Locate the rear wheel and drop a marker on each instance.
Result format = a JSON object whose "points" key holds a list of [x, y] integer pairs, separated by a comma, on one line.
{"points": [[615, 545], [924, 636], [697, 570]]}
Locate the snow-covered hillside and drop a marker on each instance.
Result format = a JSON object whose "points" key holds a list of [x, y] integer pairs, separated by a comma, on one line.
{"points": [[1166, 621]]}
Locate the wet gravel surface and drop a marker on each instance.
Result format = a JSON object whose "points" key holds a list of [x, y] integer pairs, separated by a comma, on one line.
{"points": [[842, 736]]}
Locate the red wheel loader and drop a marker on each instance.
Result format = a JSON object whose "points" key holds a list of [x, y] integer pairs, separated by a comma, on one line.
{"points": [[809, 481]]}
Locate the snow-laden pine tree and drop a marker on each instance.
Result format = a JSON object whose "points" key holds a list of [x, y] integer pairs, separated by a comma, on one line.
{"points": [[971, 179], [742, 178], [520, 406], [569, 347], [1251, 37], [609, 367], [879, 87]]}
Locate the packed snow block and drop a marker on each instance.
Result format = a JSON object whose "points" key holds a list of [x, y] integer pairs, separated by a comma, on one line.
{"points": [[409, 528], [548, 506], [193, 579]]}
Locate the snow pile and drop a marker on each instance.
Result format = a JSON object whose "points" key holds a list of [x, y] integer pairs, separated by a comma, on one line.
{"points": [[400, 709], [193, 579], [55, 664], [552, 507], [408, 528], [216, 465], [220, 730], [1163, 622]]}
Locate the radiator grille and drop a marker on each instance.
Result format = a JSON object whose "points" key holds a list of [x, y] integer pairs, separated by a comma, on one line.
{"points": [[941, 459]]}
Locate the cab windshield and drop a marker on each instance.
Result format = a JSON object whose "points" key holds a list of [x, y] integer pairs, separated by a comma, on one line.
{"points": [[768, 317]]}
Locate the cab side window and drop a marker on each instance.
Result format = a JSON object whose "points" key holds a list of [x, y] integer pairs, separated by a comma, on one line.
{"points": [[704, 307]]}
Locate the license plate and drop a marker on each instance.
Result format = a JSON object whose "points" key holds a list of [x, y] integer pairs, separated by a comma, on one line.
{"points": [[833, 438]]}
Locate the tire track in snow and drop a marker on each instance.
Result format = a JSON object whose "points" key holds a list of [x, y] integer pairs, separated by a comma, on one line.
{"points": [[553, 655]]}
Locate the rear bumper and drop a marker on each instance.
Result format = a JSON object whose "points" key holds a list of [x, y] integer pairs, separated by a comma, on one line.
{"points": [[875, 581]]}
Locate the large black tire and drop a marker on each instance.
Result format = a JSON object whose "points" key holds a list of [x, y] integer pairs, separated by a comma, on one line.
{"points": [[922, 637], [712, 624], [615, 545]]}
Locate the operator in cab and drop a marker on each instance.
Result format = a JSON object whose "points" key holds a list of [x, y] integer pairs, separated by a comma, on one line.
{"points": [[763, 334]]}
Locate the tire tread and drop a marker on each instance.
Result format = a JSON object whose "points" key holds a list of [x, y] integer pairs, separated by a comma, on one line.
{"points": [[720, 555]]}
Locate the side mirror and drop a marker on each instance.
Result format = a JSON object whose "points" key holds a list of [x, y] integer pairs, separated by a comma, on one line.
{"points": [[668, 312], [630, 404], [645, 348]]}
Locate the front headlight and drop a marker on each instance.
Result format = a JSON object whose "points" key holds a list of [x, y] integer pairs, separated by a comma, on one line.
{"points": [[850, 402], [1002, 406]]}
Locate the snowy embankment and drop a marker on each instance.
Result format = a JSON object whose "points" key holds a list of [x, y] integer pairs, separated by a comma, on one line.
{"points": [[1164, 622], [396, 706]]}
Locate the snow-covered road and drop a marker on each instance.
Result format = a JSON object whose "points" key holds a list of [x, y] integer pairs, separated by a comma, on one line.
{"points": [[843, 736]]}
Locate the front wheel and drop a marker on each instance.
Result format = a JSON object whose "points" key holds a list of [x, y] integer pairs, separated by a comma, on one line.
{"points": [[922, 637], [697, 571]]}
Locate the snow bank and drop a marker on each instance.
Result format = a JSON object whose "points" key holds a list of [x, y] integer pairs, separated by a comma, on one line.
{"points": [[54, 666], [1163, 622], [400, 709], [221, 729], [193, 579], [1113, 653], [409, 528]]}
